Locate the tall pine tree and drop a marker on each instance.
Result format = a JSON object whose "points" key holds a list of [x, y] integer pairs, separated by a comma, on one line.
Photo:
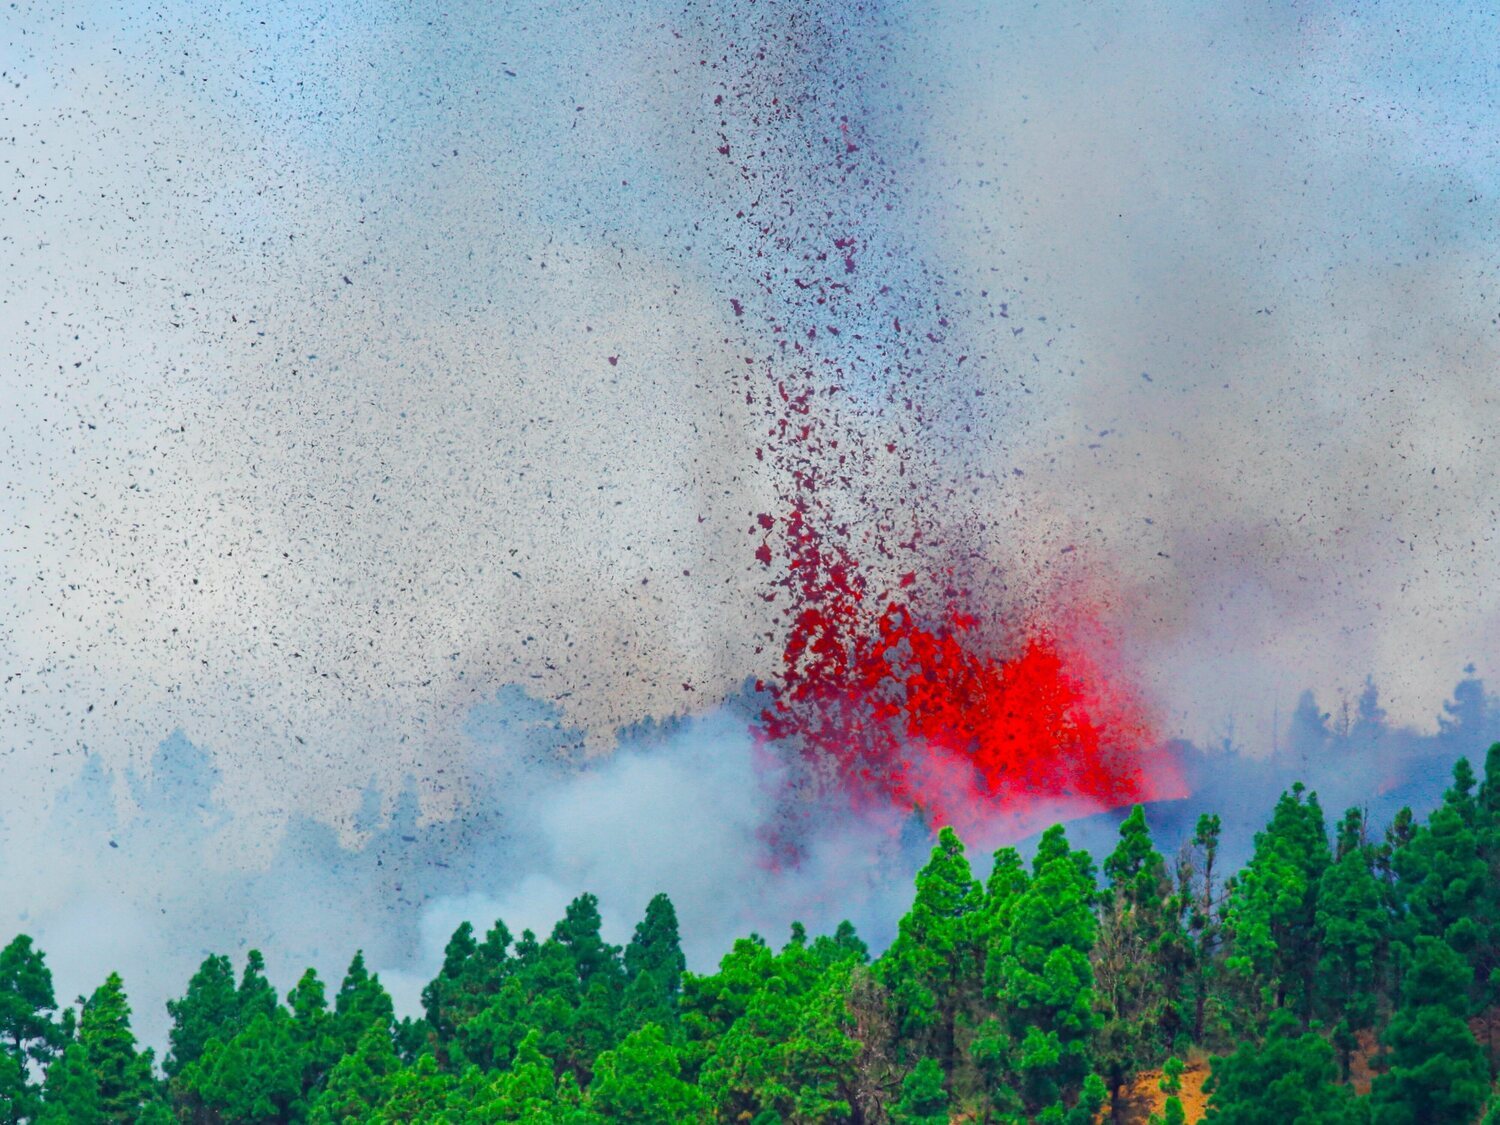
{"points": [[122, 1073], [31, 1035]]}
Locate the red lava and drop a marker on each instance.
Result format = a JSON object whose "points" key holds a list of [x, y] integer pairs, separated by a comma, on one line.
{"points": [[921, 715]]}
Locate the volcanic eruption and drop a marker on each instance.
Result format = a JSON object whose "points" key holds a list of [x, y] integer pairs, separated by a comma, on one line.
{"points": [[900, 692], [910, 675]]}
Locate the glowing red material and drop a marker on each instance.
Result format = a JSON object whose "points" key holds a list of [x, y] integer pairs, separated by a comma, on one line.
{"points": [[918, 713]]}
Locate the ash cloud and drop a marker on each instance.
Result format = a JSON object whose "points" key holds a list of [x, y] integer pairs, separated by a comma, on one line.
{"points": [[1257, 321]]}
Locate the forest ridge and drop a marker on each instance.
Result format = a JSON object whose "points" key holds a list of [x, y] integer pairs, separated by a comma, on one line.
{"points": [[1340, 976]]}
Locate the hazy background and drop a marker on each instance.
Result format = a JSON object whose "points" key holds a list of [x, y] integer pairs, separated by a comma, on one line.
{"points": [[370, 439]]}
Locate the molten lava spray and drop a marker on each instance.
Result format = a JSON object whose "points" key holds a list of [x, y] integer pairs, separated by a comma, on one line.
{"points": [[909, 675], [919, 709]]}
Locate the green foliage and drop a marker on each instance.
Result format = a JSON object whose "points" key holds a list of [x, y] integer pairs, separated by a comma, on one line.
{"points": [[71, 1093], [1141, 958], [472, 972], [1171, 1076], [1202, 932], [529, 1091], [255, 996], [1273, 910], [1290, 1079], [255, 1076], [1136, 871], [362, 1001], [359, 1083], [654, 965], [209, 1009], [1436, 1069], [313, 1029], [935, 953], [788, 1049], [924, 1101], [420, 1092], [712, 1004], [1442, 874], [589, 975], [31, 1035], [122, 1074], [1039, 975], [640, 1083], [1353, 927]]}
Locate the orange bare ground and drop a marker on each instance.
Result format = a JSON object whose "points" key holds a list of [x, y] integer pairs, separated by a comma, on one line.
{"points": [[1143, 1097]]}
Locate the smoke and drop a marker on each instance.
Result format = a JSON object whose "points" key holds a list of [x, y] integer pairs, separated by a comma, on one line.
{"points": [[1250, 252], [686, 809]]}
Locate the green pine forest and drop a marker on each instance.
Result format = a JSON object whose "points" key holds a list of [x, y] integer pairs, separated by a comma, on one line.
{"points": [[1347, 973]]}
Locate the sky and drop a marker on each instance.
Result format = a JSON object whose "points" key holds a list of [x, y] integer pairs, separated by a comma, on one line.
{"points": [[361, 360]]}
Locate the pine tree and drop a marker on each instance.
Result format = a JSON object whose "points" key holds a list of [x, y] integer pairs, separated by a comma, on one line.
{"points": [[595, 985], [71, 1092], [1135, 869], [1038, 973], [932, 968], [527, 1093], [472, 972], [1398, 837], [1436, 1069], [818, 1059], [1488, 797], [413, 1037], [844, 944], [309, 999], [361, 1001], [1273, 910], [1287, 1080], [1204, 926], [1171, 1084], [1171, 1076], [444, 1000], [359, 1082], [1353, 932], [713, 1002], [30, 1034], [314, 1031], [579, 934], [924, 1101], [420, 1093], [1485, 956], [123, 1074], [257, 1076], [654, 965], [209, 1009], [1139, 958], [640, 1083], [789, 1050], [255, 996], [1441, 871]]}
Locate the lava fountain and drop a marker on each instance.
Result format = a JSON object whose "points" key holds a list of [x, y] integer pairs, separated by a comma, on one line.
{"points": [[907, 678], [899, 693]]}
